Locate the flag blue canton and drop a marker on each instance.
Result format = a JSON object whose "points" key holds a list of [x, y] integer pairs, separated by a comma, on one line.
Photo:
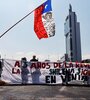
{"points": [[47, 6]]}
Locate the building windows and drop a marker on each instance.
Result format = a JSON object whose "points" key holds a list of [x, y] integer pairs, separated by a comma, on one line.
{"points": [[72, 35], [71, 59], [70, 23], [71, 48], [71, 54], [70, 30], [66, 26]]}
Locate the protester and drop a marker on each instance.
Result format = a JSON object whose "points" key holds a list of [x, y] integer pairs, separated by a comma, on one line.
{"points": [[65, 76], [84, 75], [34, 58], [24, 70], [35, 72]]}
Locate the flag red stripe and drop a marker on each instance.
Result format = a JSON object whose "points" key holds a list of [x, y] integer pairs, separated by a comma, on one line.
{"points": [[38, 24]]}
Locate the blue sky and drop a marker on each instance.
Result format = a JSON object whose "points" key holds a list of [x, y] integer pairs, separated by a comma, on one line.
{"points": [[22, 41]]}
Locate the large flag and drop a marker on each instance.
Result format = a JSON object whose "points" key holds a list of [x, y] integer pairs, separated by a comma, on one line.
{"points": [[44, 25]]}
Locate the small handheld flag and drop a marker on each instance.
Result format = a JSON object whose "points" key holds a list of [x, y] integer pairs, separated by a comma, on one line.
{"points": [[44, 25]]}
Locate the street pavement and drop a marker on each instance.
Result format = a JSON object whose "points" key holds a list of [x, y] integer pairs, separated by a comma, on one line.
{"points": [[44, 92]]}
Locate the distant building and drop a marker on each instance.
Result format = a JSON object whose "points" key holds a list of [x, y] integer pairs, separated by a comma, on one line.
{"points": [[72, 35]]}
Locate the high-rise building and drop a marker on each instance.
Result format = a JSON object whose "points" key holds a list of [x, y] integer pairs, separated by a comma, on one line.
{"points": [[72, 35]]}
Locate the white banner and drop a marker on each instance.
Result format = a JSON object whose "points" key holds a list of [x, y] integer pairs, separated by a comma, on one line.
{"points": [[15, 72]]}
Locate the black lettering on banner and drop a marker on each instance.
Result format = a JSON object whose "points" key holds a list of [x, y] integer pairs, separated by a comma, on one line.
{"points": [[50, 79], [47, 79], [54, 71]]}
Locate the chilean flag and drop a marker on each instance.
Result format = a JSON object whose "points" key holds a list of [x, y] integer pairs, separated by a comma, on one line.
{"points": [[44, 25]]}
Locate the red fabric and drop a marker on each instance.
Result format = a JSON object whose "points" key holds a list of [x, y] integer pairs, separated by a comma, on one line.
{"points": [[38, 24]]}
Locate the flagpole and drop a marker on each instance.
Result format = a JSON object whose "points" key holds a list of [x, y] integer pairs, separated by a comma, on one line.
{"points": [[17, 22]]}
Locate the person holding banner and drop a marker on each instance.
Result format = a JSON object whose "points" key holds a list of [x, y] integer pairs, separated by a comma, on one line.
{"points": [[65, 76], [35, 72], [24, 70]]}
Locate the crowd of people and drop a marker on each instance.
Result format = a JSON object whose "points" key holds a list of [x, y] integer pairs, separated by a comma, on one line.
{"points": [[24, 71]]}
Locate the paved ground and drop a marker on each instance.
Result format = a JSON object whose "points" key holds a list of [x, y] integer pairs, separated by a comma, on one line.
{"points": [[42, 92]]}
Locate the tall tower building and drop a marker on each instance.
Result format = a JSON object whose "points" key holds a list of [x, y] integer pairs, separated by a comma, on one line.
{"points": [[72, 35]]}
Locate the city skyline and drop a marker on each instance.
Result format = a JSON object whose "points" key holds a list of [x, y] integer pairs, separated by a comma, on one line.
{"points": [[22, 40]]}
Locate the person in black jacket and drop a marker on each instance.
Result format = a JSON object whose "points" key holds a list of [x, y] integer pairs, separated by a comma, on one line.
{"points": [[35, 73], [24, 70], [34, 58]]}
